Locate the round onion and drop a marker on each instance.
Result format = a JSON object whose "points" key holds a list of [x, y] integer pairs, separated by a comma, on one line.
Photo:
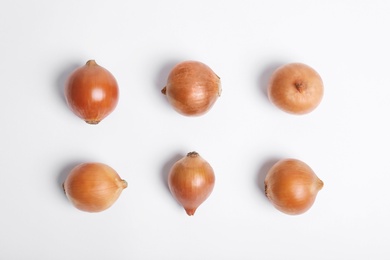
{"points": [[292, 186], [296, 88], [191, 181], [93, 187], [192, 88], [92, 92]]}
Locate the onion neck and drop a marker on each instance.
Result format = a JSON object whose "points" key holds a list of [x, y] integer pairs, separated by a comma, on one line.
{"points": [[219, 86], [190, 212], [320, 184], [91, 63], [192, 154]]}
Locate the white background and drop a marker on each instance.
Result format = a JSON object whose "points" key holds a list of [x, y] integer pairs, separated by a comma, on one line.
{"points": [[345, 140]]}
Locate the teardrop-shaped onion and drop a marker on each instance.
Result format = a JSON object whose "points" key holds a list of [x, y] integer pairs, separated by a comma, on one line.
{"points": [[292, 186], [92, 92], [93, 187], [192, 88], [191, 181]]}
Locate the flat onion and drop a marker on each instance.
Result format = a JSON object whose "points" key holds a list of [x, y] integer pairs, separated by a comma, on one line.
{"points": [[191, 181], [93, 187], [92, 92], [192, 88], [292, 186]]}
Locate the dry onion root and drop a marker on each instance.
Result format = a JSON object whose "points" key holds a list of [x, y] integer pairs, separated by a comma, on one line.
{"points": [[292, 186], [93, 187], [191, 181], [192, 88], [92, 92]]}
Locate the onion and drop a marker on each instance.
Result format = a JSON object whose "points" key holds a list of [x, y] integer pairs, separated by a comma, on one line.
{"points": [[192, 88], [93, 187], [91, 92], [191, 181], [296, 88], [292, 186]]}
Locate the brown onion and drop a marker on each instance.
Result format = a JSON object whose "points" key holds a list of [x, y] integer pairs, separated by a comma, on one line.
{"points": [[92, 92], [296, 88], [192, 88], [292, 186], [191, 181], [93, 187]]}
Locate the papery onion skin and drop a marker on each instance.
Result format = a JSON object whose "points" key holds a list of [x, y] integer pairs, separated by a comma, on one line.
{"points": [[93, 187], [296, 88], [92, 92], [191, 181], [292, 186], [192, 88]]}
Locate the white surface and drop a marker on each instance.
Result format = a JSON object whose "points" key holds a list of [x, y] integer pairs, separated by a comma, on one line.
{"points": [[345, 140]]}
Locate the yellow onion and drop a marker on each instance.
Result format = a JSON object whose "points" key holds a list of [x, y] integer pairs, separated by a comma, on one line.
{"points": [[292, 186], [296, 88], [192, 88], [91, 92], [93, 187], [191, 181]]}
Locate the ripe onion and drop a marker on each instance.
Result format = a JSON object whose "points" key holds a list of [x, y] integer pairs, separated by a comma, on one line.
{"points": [[93, 187], [191, 181], [295, 88], [192, 88], [292, 186], [92, 92]]}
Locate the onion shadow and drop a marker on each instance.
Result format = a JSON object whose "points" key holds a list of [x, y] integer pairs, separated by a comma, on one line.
{"points": [[265, 76], [63, 173], [162, 75], [262, 173], [63, 77], [167, 167]]}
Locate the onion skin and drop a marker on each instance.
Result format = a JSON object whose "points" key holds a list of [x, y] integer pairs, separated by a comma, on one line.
{"points": [[93, 187], [292, 186], [296, 88], [191, 181], [192, 88], [92, 92]]}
